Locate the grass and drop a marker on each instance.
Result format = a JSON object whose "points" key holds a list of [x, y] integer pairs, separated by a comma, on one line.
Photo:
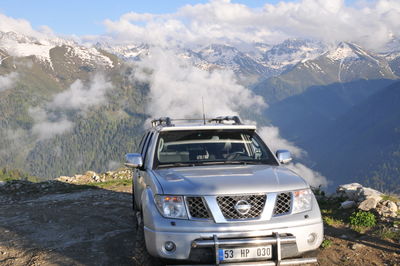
{"points": [[387, 233], [326, 243], [15, 174], [332, 214], [331, 221], [390, 197], [360, 229], [112, 183]]}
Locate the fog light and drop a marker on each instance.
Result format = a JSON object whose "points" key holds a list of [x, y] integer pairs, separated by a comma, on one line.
{"points": [[311, 238], [169, 246]]}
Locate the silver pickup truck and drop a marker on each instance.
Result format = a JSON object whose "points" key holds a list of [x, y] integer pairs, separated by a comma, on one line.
{"points": [[212, 192]]}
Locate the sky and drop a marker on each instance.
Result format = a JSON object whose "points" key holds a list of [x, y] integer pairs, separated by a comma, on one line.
{"points": [[77, 17]]}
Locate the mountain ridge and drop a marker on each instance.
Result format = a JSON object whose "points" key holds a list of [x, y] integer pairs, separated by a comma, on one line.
{"points": [[97, 136]]}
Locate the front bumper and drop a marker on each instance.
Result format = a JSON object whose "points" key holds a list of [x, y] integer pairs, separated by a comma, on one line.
{"points": [[286, 242], [276, 240]]}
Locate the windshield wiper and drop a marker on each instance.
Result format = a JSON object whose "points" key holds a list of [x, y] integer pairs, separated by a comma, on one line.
{"points": [[175, 165], [221, 162]]}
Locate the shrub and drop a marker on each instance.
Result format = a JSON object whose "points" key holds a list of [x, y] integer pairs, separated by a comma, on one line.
{"points": [[362, 218]]}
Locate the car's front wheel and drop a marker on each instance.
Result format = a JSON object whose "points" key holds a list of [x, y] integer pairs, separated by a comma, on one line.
{"points": [[141, 255]]}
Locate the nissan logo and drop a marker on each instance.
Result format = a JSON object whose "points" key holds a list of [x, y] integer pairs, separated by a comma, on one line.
{"points": [[242, 207]]}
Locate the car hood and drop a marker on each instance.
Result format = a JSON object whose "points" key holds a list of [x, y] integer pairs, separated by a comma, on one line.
{"points": [[227, 179]]}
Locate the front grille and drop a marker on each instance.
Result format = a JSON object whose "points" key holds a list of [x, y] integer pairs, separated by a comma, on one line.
{"points": [[197, 208], [283, 203], [227, 205]]}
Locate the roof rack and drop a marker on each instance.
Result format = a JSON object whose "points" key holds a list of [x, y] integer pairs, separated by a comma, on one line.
{"points": [[221, 119], [167, 121], [162, 121]]}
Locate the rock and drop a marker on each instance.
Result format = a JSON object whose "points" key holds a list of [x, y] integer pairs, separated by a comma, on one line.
{"points": [[356, 246], [367, 192], [347, 204], [369, 203], [2, 183], [392, 206], [387, 208], [90, 174], [351, 191]]}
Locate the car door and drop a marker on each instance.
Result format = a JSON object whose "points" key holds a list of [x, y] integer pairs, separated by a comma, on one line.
{"points": [[139, 181]]}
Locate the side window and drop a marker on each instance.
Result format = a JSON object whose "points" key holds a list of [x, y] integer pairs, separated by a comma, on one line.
{"points": [[256, 149], [143, 142], [146, 146]]}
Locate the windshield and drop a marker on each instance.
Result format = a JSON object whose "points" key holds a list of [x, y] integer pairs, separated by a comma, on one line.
{"points": [[182, 148]]}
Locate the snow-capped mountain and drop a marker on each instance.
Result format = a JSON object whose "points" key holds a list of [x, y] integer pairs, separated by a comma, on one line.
{"points": [[355, 62], [20, 45], [394, 61], [258, 61], [287, 54], [213, 56], [345, 63], [127, 52], [41, 49], [229, 57]]}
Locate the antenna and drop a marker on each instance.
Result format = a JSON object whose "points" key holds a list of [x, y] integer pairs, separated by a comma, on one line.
{"points": [[204, 114]]}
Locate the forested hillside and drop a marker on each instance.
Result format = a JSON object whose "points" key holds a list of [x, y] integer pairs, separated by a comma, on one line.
{"points": [[45, 98], [363, 144]]}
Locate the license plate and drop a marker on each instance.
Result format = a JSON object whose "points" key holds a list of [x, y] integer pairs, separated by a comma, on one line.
{"points": [[247, 253]]}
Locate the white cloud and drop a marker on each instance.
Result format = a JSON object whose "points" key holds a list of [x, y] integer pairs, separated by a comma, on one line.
{"points": [[22, 26], [177, 88], [51, 120], [8, 81], [271, 137], [45, 127], [81, 96], [369, 23], [313, 178]]}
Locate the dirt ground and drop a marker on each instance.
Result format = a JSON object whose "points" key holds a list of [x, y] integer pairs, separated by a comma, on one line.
{"points": [[351, 248], [89, 227], [96, 227]]}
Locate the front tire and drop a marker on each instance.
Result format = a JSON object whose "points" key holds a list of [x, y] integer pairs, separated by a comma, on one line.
{"points": [[141, 255]]}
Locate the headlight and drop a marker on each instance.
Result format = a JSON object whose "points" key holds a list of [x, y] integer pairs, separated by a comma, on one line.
{"points": [[171, 206], [302, 200]]}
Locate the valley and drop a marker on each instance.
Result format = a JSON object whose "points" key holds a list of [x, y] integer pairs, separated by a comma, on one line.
{"points": [[72, 108]]}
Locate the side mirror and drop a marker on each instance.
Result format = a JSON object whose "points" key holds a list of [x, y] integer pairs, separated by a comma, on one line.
{"points": [[133, 160], [283, 156]]}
